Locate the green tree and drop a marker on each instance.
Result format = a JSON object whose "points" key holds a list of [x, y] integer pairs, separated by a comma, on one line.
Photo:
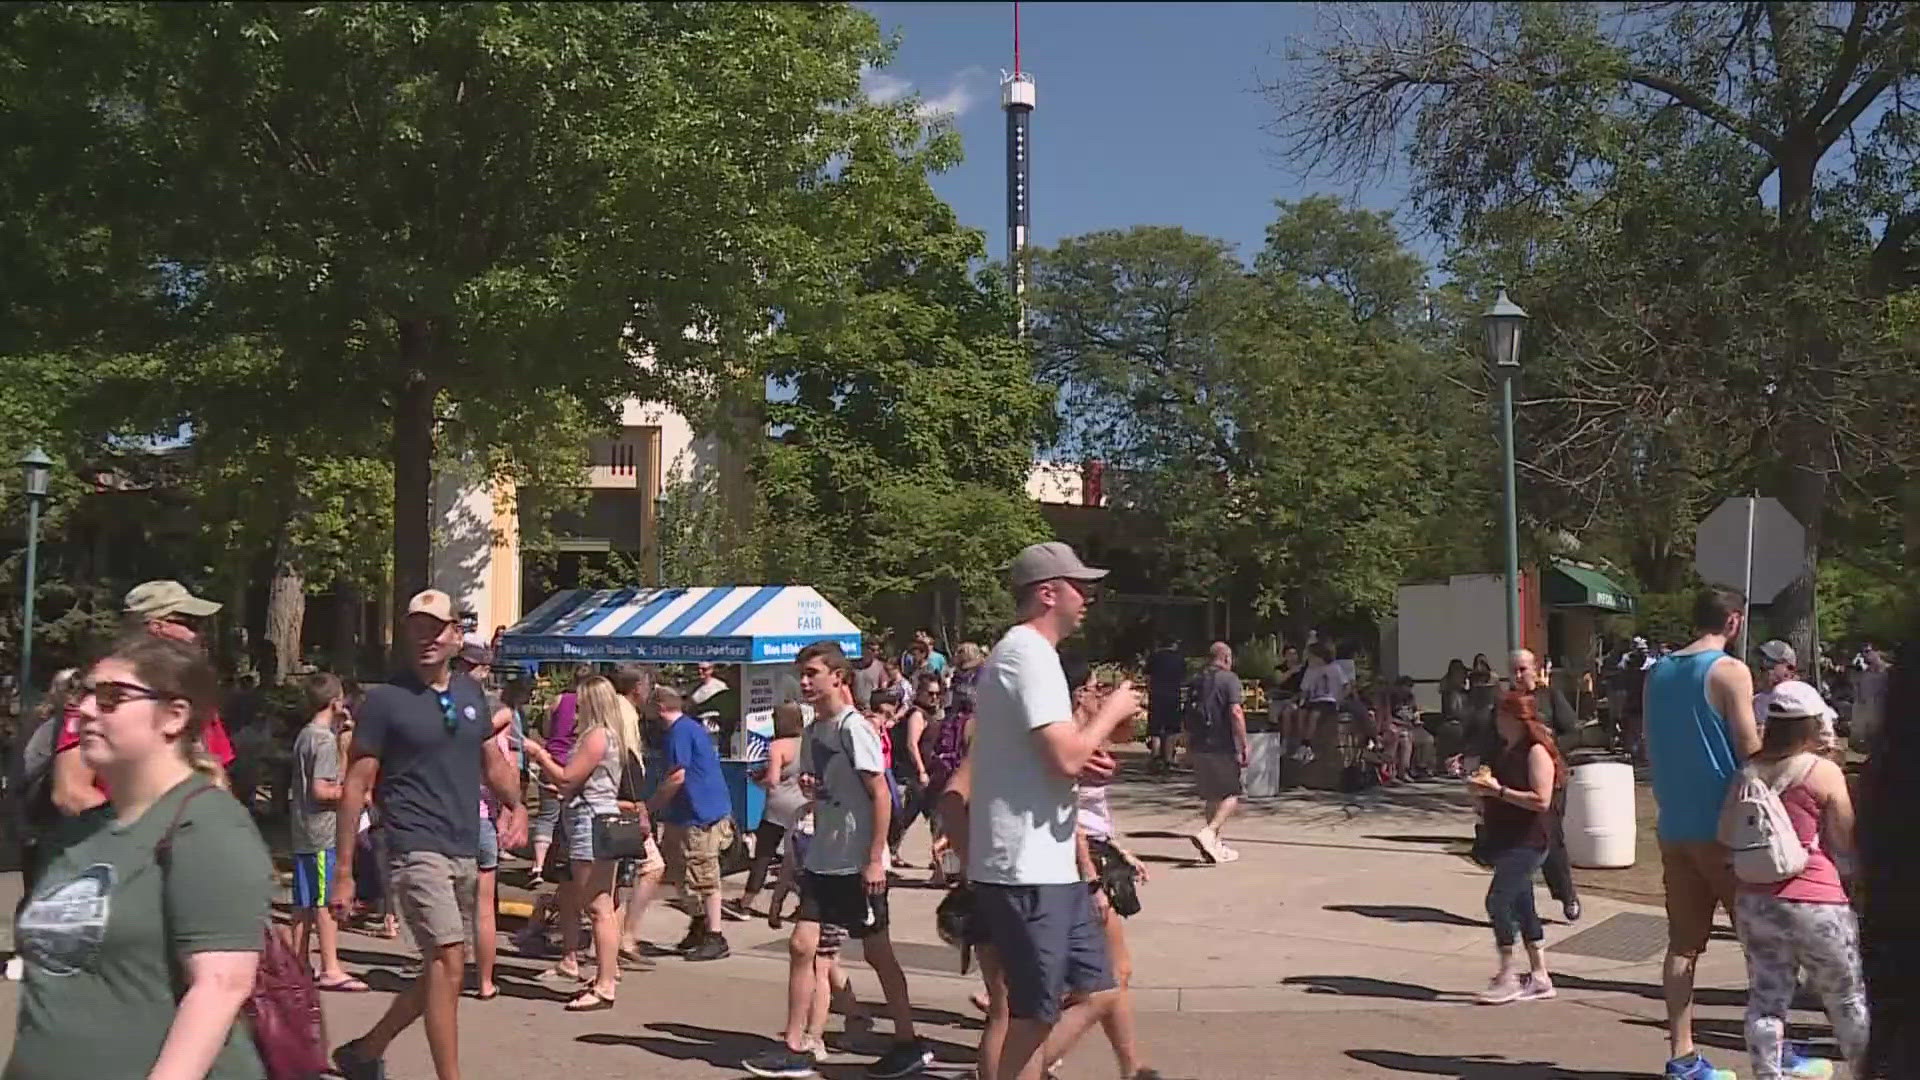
{"points": [[474, 227], [1288, 430], [1725, 189]]}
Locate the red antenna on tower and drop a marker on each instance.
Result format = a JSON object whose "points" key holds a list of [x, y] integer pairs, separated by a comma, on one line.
{"points": [[1016, 37]]}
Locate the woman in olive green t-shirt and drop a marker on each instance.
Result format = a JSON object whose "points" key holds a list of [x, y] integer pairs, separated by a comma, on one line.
{"points": [[165, 958]]}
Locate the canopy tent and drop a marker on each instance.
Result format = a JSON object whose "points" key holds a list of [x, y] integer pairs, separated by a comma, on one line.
{"points": [[723, 624], [1572, 585]]}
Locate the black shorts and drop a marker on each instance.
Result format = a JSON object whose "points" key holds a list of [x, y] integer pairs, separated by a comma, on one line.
{"points": [[841, 900], [1046, 943], [1163, 714]]}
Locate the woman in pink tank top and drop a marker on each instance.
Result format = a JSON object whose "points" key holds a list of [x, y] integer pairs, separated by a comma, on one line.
{"points": [[1804, 922]]}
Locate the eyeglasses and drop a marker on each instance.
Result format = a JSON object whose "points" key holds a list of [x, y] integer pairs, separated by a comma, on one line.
{"points": [[111, 694], [1088, 590], [447, 710]]}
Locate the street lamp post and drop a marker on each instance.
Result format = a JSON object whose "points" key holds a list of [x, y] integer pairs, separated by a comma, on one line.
{"points": [[1503, 322], [36, 468], [659, 540]]}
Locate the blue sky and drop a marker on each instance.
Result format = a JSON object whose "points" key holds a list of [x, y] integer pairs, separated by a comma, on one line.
{"points": [[1147, 112]]}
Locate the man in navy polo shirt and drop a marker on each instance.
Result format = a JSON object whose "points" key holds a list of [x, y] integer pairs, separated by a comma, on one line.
{"points": [[421, 744]]}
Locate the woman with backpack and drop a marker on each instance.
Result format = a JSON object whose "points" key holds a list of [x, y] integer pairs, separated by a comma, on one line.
{"points": [[1516, 791], [151, 911], [1792, 911]]}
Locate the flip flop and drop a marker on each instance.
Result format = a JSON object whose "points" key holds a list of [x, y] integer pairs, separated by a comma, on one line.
{"points": [[478, 996], [589, 1001], [557, 977], [347, 985]]}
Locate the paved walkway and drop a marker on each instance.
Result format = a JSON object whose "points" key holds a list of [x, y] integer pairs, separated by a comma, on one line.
{"points": [[1347, 941]]}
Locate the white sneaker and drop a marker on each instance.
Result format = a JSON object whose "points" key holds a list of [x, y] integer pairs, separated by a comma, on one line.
{"points": [[1536, 988], [16, 969], [1209, 844], [1500, 990], [1226, 854]]}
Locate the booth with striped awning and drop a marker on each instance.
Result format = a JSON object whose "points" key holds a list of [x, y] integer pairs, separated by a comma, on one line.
{"points": [[721, 624]]}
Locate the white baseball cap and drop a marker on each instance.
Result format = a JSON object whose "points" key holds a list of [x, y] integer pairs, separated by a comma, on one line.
{"points": [[1794, 699]]}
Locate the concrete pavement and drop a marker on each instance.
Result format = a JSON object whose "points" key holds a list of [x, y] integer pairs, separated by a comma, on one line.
{"points": [[1347, 941]]}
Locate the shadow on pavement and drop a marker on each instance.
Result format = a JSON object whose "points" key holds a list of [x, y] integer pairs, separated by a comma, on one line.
{"points": [[1732, 999], [1361, 986], [1482, 1067], [1814, 1040], [1409, 913], [727, 1049], [1413, 838]]}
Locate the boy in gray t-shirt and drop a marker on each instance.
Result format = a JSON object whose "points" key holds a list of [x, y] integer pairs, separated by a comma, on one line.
{"points": [[316, 790], [843, 889]]}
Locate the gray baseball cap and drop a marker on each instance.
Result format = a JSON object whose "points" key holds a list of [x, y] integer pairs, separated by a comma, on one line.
{"points": [[1776, 652], [1050, 561]]}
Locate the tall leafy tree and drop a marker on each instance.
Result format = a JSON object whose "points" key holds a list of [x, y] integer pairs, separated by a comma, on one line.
{"points": [[467, 226], [1289, 428], [1790, 127]]}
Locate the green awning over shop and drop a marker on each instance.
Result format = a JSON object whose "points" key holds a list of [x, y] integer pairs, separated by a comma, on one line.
{"points": [[1576, 586]]}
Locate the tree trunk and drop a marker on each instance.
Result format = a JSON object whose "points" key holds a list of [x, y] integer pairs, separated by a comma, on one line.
{"points": [[344, 656], [412, 457], [286, 614], [1805, 441]]}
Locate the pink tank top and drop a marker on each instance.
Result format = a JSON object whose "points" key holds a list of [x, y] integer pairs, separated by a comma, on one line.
{"points": [[1819, 883]]}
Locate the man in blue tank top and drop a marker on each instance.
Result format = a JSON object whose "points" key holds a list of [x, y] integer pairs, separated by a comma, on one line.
{"points": [[1699, 731]]}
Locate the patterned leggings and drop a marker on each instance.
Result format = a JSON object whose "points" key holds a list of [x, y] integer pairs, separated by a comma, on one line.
{"points": [[1781, 937]]}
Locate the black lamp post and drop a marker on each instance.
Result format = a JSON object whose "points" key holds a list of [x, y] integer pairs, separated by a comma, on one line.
{"points": [[36, 470], [1503, 322]]}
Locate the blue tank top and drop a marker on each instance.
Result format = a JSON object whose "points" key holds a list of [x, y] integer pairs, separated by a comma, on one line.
{"points": [[1693, 758]]}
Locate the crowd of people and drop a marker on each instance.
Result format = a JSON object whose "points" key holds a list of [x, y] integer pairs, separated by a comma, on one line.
{"points": [[149, 890]]}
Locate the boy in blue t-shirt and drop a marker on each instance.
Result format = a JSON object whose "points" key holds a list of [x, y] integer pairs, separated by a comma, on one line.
{"points": [[693, 804]]}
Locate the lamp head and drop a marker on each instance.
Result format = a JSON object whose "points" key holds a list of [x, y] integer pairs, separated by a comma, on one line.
{"points": [[1503, 322], [36, 469]]}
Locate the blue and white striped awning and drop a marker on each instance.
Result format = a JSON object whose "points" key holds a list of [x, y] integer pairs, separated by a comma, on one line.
{"points": [[725, 624]]}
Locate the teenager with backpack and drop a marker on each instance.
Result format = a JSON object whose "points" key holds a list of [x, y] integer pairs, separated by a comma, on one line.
{"points": [[1788, 810], [151, 913]]}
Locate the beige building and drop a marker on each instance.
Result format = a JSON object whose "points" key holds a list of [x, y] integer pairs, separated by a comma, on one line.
{"points": [[476, 555]]}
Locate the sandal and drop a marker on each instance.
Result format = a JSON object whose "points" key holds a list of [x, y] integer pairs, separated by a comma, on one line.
{"points": [[554, 976], [590, 1000], [345, 984], [483, 996]]}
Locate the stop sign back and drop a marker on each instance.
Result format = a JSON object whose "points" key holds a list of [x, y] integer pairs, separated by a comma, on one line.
{"points": [[1779, 547]]}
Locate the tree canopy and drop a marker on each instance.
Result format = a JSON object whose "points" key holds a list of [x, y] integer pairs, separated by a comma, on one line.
{"points": [[1703, 206]]}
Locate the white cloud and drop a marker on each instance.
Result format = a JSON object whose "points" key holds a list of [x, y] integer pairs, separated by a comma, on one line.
{"points": [[883, 88], [964, 89]]}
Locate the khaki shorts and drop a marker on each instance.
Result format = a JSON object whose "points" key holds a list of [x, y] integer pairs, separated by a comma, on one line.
{"points": [[436, 895], [693, 855], [1698, 875], [1217, 775]]}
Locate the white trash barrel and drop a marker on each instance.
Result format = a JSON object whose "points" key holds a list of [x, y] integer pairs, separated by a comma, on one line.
{"points": [[1600, 812], [1261, 777]]}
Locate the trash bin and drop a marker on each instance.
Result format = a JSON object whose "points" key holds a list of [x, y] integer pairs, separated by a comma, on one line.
{"points": [[1600, 826], [1261, 777], [749, 799]]}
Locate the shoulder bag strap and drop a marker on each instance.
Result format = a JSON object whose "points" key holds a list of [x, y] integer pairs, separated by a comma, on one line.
{"points": [[163, 857]]}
